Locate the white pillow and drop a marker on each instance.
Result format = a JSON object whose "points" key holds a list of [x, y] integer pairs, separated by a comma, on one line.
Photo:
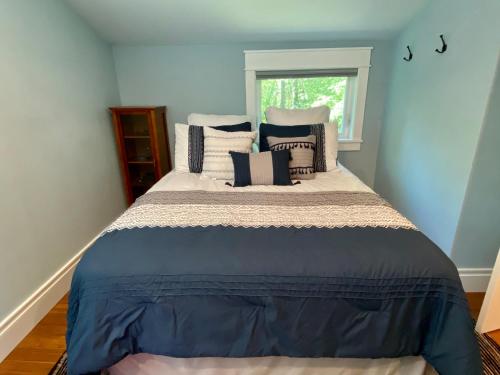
{"points": [[214, 120], [181, 147], [315, 115], [331, 145], [217, 162]]}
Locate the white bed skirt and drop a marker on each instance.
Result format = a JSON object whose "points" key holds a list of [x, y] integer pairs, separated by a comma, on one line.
{"points": [[147, 364]]}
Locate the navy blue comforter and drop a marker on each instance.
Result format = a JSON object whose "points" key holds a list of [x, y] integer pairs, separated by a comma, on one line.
{"points": [[219, 291]]}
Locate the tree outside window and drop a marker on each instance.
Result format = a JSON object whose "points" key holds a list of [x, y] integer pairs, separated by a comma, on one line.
{"points": [[301, 93]]}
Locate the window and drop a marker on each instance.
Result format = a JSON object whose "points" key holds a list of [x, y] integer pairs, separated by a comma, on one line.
{"points": [[303, 78], [293, 90]]}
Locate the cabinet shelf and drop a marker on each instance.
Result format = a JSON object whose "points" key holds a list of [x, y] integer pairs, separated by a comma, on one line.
{"points": [[136, 137], [140, 161]]}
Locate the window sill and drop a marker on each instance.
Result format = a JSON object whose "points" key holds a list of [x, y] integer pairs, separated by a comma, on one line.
{"points": [[350, 144]]}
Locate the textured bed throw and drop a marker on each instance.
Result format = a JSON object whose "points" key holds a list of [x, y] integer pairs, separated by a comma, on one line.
{"points": [[245, 274]]}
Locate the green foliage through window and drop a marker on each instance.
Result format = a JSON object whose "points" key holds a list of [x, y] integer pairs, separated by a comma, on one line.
{"points": [[294, 93]]}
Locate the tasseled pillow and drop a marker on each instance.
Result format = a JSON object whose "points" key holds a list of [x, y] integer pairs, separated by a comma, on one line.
{"points": [[301, 165]]}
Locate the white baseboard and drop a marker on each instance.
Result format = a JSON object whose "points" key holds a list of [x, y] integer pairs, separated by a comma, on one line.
{"points": [[27, 315], [475, 279]]}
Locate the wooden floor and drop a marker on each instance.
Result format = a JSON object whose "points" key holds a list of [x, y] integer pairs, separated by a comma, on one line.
{"points": [[41, 349], [475, 302], [495, 335]]}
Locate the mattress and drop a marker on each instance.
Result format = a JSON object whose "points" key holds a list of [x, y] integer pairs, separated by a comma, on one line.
{"points": [[198, 276]]}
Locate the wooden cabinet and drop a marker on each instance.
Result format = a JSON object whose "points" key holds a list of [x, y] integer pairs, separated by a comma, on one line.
{"points": [[143, 148]]}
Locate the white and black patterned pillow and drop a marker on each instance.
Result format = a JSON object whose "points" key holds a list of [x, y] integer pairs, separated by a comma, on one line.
{"points": [[302, 150], [195, 148], [318, 130], [196, 142], [320, 158]]}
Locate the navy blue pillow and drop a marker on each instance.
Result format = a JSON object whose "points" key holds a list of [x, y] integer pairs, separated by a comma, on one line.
{"points": [[251, 168], [196, 142], [270, 130], [243, 127]]}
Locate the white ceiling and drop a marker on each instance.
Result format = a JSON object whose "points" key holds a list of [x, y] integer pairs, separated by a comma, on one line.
{"points": [[214, 21]]}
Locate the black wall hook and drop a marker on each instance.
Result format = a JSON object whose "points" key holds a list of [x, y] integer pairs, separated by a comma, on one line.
{"points": [[410, 56], [444, 47]]}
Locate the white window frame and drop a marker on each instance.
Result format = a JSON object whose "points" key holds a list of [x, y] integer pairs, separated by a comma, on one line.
{"points": [[313, 59]]}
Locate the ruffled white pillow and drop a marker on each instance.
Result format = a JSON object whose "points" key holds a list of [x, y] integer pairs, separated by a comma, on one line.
{"points": [[331, 144], [217, 162]]}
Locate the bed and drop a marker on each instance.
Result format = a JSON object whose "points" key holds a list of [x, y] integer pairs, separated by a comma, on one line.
{"points": [[324, 277]]}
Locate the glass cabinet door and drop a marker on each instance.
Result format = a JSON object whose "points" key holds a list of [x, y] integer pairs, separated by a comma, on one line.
{"points": [[138, 152], [138, 149], [142, 144], [134, 125], [142, 177]]}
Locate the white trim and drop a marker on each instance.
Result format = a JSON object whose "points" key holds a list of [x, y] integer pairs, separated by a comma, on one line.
{"points": [[489, 316], [27, 315], [350, 90], [251, 96], [359, 103], [334, 49], [475, 279], [310, 59], [349, 145]]}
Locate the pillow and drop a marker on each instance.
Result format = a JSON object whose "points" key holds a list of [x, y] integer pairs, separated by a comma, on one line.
{"points": [[301, 165], [263, 168], [315, 115], [189, 144], [325, 156], [217, 162], [213, 120], [181, 147], [243, 127]]}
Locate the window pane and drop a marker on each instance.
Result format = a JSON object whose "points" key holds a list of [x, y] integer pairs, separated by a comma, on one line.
{"points": [[293, 93]]}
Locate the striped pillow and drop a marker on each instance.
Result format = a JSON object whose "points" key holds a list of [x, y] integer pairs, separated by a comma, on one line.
{"points": [[217, 162], [302, 150], [263, 168], [189, 144], [196, 142]]}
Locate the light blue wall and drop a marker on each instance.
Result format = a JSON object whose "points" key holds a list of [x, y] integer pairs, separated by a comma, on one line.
{"points": [[435, 110], [210, 79], [60, 182], [478, 236]]}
